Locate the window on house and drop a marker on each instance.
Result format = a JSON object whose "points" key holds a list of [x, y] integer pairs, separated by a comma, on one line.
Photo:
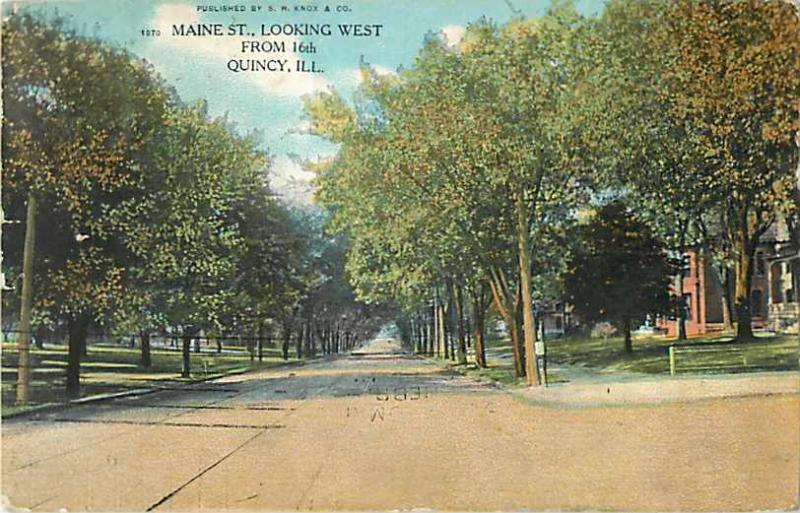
{"points": [[761, 264], [687, 305], [686, 264], [789, 295], [757, 303]]}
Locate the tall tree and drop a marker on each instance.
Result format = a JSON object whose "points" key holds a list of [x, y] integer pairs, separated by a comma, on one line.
{"points": [[74, 145], [181, 227], [619, 272], [709, 92]]}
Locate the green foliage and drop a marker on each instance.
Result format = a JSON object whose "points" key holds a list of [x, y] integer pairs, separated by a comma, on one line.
{"points": [[695, 105], [76, 145], [182, 226], [157, 215], [431, 161], [620, 271]]}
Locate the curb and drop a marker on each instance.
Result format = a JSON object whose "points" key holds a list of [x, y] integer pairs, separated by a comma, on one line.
{"points": [[461, 370], [667, 391], [569, 404]]}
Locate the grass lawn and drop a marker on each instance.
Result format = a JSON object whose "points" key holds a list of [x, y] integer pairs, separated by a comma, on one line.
{"points": [[111, 368], [706, 355], [713, 354]]}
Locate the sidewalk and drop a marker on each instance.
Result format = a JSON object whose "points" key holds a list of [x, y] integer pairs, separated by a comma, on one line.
{"points": [[661, 389]]}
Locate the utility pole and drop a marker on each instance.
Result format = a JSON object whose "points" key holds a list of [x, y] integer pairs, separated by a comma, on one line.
{"points": [[24, 341]]}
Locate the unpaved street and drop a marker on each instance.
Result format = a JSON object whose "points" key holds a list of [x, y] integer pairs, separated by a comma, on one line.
{"points": [[383, 430]]}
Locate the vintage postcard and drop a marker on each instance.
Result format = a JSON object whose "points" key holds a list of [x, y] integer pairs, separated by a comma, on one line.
{"points": [[400, 255]]}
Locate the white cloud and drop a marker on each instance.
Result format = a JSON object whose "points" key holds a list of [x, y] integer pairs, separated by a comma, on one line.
{"points": [[167, 14], [221, 49], [291, 181], [452, 34], [379, 70], [303, 126]]}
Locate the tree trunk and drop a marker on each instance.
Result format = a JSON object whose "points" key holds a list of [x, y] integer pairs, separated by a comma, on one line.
{"points": [[744, 278], [451, 329], [144, 336], [413, 341], [319, 339], [24, 341], [430, 330], [447, 335], [520, 334], [299, 348], [626, 329], [287, 337], [506, 305], [261, 343], [441, 338], [309, 331], [420, 334], [478, 322], [78, 329], [441, 349], [186, 368], [458, 303], [424, 327], [529, 329], [39, 340], [681, 320], [727, 303]]}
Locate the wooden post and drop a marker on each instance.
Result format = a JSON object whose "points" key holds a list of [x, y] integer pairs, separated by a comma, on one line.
{"points": [[672, 369], [24, 341]]}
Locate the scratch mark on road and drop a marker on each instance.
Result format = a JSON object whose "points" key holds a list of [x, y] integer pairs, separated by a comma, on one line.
{"points": [[246, 498], [204, 407], [170, 424], [198, 476]]}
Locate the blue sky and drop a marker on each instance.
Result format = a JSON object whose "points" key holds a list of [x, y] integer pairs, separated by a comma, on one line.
{"points": [[271, 102]]}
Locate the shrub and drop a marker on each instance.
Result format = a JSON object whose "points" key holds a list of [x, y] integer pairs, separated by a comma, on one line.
{"points": [[604, 330]]}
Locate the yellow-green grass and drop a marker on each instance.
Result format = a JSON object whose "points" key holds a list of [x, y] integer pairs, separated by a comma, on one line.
{"points": [[712, 354], [110, 368], [702, 355]]}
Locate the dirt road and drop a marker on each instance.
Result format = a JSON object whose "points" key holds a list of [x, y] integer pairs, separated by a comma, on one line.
{"points": [[383, 430]]}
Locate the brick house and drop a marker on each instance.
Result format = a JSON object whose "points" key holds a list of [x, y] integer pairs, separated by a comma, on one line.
{"points": [[773, 295], [782, 272]]}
